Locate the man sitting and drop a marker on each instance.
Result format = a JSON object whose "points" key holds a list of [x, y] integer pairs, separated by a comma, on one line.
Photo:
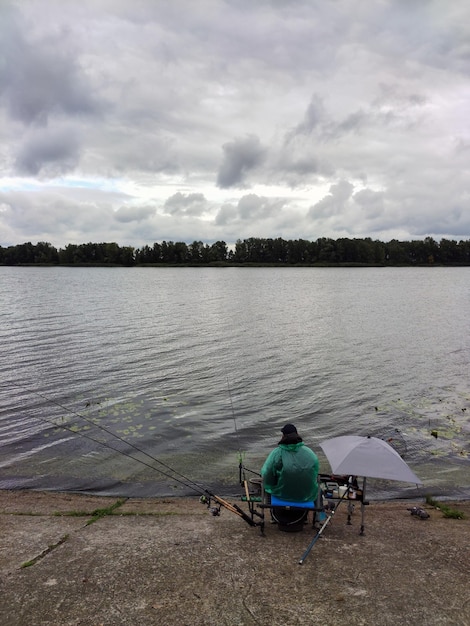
{"points": [[291, 470]]}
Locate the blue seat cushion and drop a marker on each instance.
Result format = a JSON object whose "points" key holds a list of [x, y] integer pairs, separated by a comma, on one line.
{"points": [[275, 501]]}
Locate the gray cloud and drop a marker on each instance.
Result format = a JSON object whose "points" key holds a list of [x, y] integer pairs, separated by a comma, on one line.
{"points": [[186, 204], [313, 119], [250, 209], [240, 156], [252, 206], [335, 202], [40, 76], [127, 214], [149, 120], [227, 214], [371, 202], [32, 214], [51, 151]]}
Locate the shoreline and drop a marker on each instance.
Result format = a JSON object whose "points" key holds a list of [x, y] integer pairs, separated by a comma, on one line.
{"points": [[152, 490], [67, 559]]}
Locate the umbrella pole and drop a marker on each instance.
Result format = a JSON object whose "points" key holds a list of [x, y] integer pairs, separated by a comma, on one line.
{"points": [[363, 508]]}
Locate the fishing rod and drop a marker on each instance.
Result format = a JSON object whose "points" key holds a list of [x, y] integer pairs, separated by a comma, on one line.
{"points": [[242, 470], [113, 434], [206, 494], [240, 455], [241, 466]]}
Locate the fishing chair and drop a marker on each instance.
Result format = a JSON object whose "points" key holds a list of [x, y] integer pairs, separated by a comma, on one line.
{"points": [[289, 516], [292, 516]]}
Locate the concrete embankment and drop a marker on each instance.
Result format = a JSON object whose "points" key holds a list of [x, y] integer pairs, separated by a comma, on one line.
{"points": [[169, 562]]}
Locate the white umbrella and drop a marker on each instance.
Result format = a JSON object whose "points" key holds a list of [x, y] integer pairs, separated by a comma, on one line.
{"points": [[367, 456]]}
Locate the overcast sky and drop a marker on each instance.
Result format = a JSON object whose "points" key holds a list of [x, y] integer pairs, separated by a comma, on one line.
{"points": [[138, 121]]}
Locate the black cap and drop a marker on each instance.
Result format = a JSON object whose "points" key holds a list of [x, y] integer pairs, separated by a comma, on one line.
{"points": [[288, 429]]}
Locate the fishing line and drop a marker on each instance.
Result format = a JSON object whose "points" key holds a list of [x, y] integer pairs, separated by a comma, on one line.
{"points": [[233, 416], [241, 466], [240, 455], [126, 454], [184, 480]]}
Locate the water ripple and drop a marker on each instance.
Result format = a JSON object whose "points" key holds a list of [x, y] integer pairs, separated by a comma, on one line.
{"points": [[192, 365]]}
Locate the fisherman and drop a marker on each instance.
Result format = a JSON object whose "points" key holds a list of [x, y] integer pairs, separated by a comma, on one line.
{"points": [[291, 470]]}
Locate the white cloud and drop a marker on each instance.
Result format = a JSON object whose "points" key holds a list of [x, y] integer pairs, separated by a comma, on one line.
{"points": [[221, 119]]}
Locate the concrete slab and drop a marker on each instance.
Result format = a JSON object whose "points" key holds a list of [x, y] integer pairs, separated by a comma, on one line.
{"points": [[177, 565]]}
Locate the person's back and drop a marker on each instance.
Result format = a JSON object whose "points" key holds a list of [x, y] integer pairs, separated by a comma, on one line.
{"points": [[291, 470]]}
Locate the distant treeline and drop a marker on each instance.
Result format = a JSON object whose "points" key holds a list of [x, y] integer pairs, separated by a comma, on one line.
{"points": [[323, 251]]}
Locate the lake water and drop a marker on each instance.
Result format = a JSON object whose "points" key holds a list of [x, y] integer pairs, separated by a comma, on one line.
{"points": [[192, 365]]}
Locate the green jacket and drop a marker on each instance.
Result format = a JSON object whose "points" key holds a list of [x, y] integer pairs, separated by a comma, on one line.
{"points": [[291, 472]]}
